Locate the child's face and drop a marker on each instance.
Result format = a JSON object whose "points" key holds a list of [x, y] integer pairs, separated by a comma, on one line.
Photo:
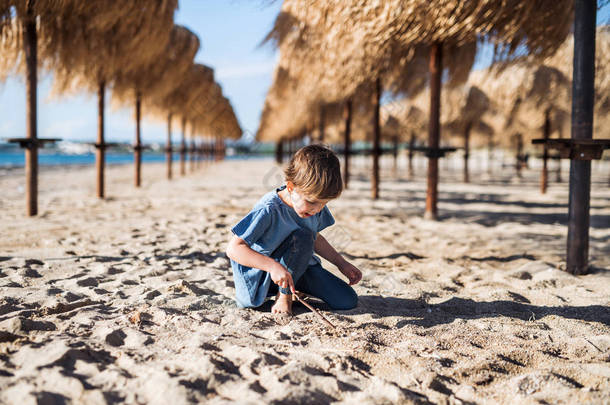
{"points": [[304, 205]]}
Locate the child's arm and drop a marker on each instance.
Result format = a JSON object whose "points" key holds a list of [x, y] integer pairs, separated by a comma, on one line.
{"points": [[324, 249], [239, 251]]}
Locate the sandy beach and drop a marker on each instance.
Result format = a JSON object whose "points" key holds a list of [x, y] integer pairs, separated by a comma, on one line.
{"points": [[130, 299]]}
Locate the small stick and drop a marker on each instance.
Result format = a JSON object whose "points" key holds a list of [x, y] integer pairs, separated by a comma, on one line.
{"points": [[315, 311]]}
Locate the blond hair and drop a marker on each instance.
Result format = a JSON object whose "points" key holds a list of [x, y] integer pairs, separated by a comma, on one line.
{"points": [[316, 171]]}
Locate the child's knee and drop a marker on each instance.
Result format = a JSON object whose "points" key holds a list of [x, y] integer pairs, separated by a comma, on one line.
{"points": [[243, 303], [348, 299]]}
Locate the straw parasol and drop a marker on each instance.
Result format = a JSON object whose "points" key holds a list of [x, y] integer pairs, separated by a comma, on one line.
{"points": [[21, 22], [355, 40], [213, 119], [100, 42], [166, 73], [146, 76], [536, 99], [197, 80], [562, 61], [330, 48]]}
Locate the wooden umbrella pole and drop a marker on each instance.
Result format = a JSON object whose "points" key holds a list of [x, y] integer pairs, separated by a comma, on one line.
{"points": [[585, 13], [31, 83], [347, 115], [436, 70], [219, 149], [207, 150], [192, 153], [100, 151], [545, 153], [411, 153], [315, 311], [203, 149], [138, 144], [467, 151], [203, 153], [278, 152], [376, 140], [183, 148], [490, 154], [395, 153], [214, 149], [168, 148], [198, 153], [519, 157]]}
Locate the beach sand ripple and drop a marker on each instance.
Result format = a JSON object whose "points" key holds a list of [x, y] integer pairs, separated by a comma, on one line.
{"points": [[130, 299]]}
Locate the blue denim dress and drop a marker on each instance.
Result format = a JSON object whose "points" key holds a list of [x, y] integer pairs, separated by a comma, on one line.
{"points": [[264, 229]]}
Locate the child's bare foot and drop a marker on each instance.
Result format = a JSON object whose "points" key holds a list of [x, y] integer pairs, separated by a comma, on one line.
{"points": [[283, 304]]}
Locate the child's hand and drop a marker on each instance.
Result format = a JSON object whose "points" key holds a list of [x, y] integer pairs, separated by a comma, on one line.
{"points": [[282, 277], [351, 272]]}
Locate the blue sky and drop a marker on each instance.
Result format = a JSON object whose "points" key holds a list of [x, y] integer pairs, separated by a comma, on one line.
{"points": [[230, 32]]}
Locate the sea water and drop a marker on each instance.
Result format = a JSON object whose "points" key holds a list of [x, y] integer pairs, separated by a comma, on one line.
{"points": [[15, 158]]}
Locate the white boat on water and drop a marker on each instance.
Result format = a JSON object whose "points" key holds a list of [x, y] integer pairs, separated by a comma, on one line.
{"points": [[74, 148]]}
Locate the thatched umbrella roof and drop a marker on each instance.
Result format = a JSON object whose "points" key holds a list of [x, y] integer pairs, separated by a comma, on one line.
{"points": [[463, 105], [175, 63], [12, 15], [222, 121], [285, 114], [562, 61], [465, 110], [146, 74], [195, 82], [82, 39], [328, 49], [101, 44], [198, 99], [288, 112], [521, 93]]}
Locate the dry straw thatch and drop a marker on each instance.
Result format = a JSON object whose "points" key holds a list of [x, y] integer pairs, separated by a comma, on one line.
{"points": [[562, 61], [522, 93], [194, 83], [13, 15], [98, 45], [328, 49], [113, 35], [197, 99], [154, 58], [514, 99], [464, 106], [213, 116]]}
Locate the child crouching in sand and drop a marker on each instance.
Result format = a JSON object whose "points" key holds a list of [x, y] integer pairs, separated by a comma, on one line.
{"points": [[272, 249]]}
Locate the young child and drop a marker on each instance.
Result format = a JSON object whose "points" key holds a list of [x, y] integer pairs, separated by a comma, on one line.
{"points": [[272, 249]]}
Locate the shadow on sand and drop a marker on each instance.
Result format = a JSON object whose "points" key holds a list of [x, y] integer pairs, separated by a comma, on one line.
{"points": [[428, 315], [521, 211]]}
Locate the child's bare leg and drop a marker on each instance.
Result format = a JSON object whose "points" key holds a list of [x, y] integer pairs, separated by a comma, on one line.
{"points": [[283, 304]]}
